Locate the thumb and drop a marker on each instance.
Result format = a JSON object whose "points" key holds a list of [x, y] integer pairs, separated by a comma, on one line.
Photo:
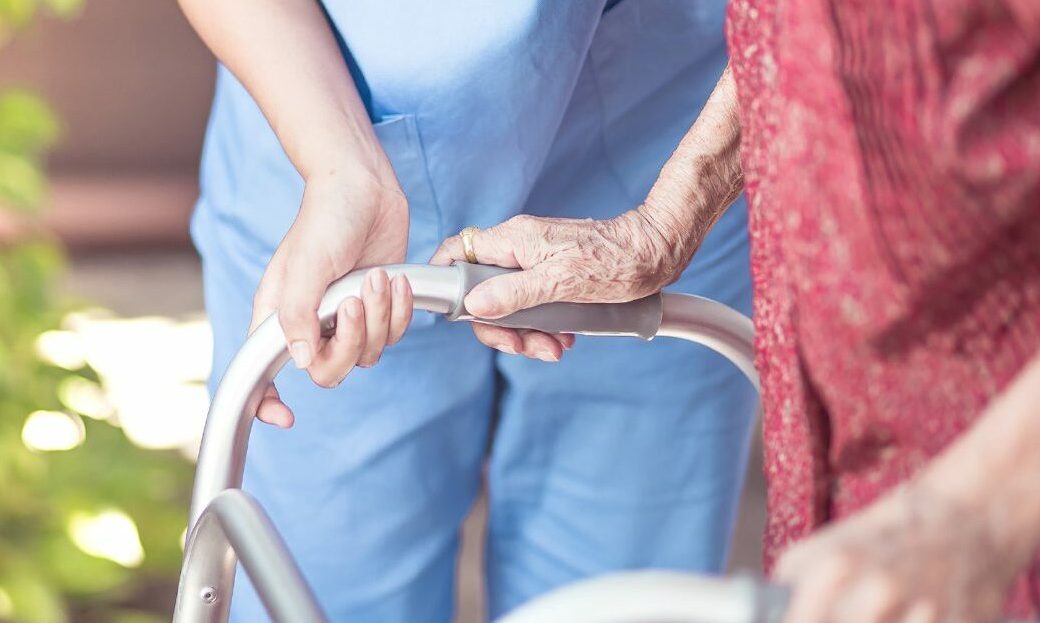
{"points": [[304, 285], [268, 292], [264, 304], [503, 295]]}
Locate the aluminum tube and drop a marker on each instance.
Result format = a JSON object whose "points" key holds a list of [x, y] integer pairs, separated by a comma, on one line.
{"points": [[436, 289], [717, 326], [234, 524], [226, 436], [231, 413], [670, 596]]}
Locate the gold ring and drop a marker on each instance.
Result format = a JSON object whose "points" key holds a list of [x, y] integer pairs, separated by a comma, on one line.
{"points": [[467, 243]]}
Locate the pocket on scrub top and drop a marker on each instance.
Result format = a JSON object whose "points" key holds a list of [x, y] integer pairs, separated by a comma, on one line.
{"points": [[399, 135]]}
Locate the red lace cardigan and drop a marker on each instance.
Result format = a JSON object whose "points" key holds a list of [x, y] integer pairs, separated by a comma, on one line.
{"points": [[892, 153]]}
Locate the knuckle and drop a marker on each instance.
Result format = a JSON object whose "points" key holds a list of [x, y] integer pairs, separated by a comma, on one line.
{"points": [[261, 298], [355, 337], [293, 315], [526, 226], [378, 309], [522, 221], [450, 246], [395, 199]]}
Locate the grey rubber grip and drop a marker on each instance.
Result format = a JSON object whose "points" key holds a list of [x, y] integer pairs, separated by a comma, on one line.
{"points": [[641, 318]]}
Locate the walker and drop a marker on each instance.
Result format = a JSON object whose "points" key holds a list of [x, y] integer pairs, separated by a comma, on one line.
{"points": [[228, 526]]}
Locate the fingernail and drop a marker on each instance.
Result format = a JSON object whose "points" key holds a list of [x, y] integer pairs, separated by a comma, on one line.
{"points": [[353, 309], [479, 303], [546, 355], [505, 347], [399, 284], [378, 280], [301, 353]]}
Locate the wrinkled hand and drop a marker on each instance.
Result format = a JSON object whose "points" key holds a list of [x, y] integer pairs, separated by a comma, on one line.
{"points": [[583, 261], [346, 220], [909, 558]]}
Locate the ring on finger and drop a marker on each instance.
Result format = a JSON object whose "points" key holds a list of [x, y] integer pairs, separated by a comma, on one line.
{"points": [[467, 243]]}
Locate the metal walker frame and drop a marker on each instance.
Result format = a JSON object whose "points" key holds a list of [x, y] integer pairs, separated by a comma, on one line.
{"points": [[228, 526]]}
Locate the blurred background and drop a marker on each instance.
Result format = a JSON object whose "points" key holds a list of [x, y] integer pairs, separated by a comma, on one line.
{"points": [[104, 347]]}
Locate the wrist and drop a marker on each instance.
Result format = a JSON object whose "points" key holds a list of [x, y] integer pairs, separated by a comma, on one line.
{"points": [[693, 191], [670, 224], [344, 161], [660, 241], [348, 187], [339, 146], [369, 174]]}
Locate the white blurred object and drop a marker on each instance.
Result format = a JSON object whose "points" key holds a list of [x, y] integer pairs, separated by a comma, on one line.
{"points": [[51, 431], [84, 397], [152, 373], [110, 534], [160, 416], [61, 348], [144, 348], [648, 595]]}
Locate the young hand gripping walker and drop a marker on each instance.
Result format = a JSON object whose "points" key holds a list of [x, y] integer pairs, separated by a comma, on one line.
{"points": [[227, 525]]}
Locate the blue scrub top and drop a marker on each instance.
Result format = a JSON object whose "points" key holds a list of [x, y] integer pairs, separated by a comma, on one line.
{"points": [[622, 455], [485, 109]]}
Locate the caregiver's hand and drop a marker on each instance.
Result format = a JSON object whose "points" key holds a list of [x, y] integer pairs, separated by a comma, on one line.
{"points": [[583, 261], [349, 218], [353, 212], [909, 558]]}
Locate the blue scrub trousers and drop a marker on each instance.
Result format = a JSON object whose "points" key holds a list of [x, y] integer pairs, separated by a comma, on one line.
{"points": [[626, 454]]}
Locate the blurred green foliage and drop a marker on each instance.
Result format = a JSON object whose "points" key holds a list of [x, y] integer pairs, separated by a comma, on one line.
{"points": [[15, 14], [27, 127], [45, 577]]}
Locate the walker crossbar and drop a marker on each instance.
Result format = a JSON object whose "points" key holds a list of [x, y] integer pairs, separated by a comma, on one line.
{"points": [[232, 526], [243, 531]]}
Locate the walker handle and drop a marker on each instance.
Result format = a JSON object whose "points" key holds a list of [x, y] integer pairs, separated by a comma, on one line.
{"points": [[638, 318], [437, 289]]}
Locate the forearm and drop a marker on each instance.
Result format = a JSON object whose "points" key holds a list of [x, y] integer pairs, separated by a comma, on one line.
{"points": [[285, 54], [993, 471], [703, 176]]}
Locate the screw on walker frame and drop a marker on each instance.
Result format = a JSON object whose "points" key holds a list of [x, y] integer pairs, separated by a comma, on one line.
{"points": [[228, 526]]}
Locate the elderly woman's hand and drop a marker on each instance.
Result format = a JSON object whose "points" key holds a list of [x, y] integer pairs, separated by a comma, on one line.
{"points": [[615, 260], [909, 558]]}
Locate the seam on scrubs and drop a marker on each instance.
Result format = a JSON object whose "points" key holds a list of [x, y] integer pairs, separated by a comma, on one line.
{"points": [[429, 178]]}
